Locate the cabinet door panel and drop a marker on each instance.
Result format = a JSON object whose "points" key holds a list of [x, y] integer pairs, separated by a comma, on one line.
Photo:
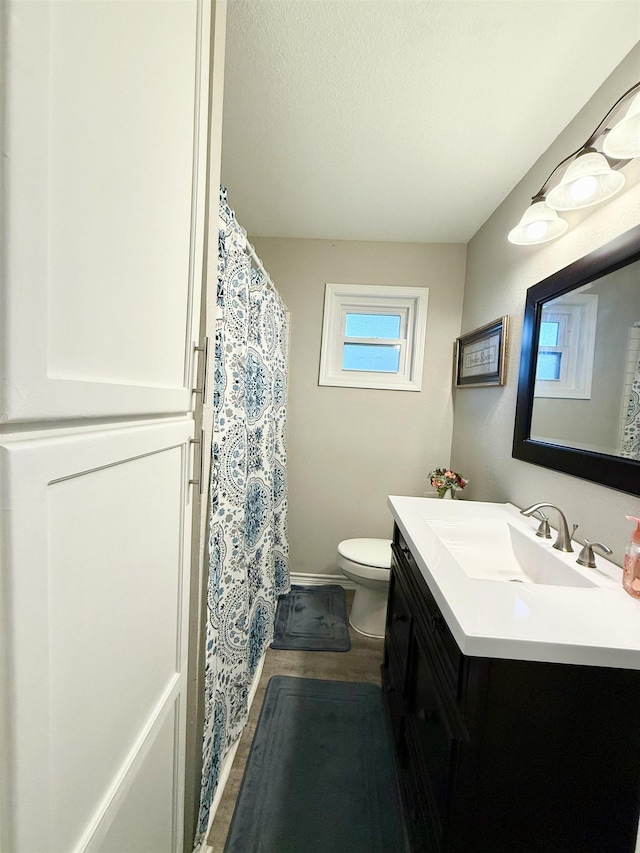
{"points": [[106, 110], [392, 695], [436, 733], [145, 820], [96, 530]]}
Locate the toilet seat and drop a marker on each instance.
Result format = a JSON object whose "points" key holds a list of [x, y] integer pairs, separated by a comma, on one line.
{"points": [[374, 553]]}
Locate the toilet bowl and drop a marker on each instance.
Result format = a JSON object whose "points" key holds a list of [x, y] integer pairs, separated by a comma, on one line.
{"points": [[367, 562]]}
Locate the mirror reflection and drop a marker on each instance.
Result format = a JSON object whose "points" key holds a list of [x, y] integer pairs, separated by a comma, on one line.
{"points": [[587, 388]]}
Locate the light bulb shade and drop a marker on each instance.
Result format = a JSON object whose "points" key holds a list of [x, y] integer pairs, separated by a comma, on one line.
{"points": [[623, 140], [588, 180], [539, 224]]}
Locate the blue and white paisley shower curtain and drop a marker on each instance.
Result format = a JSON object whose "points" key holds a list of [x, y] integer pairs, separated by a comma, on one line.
{"points": [[248, 562], [631, 432]]}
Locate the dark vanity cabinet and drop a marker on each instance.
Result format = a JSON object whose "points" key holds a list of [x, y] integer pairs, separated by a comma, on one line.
{"points": [[505, 756]]}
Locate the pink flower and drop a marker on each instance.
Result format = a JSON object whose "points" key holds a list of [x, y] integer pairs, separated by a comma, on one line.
{"points": [[445, 478]]}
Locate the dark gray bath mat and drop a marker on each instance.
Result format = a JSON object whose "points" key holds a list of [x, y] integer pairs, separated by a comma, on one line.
{"points": [[320, 775], [313, 619]]}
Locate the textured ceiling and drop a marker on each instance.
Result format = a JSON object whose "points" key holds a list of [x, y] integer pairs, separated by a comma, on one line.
{"points": [[402, 120]]}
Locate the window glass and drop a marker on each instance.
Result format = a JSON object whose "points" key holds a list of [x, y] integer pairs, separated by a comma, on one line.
{"points": [[372, 326], [380, 358], [549, 365], [549, 334]]}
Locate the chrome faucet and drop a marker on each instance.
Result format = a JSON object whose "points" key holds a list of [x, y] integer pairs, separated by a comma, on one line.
{"points": [[563, 540]]}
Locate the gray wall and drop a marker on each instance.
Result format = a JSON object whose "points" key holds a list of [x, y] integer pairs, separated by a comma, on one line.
{"points": [[351, 447], [498, 275]]}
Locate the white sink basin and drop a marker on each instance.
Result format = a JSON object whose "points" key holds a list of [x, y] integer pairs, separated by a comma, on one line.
{"points": [[506, 593], [492, 549]]}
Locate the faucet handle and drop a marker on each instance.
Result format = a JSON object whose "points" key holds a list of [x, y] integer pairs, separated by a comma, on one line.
{"points": [[543, 529], [586, 556]]}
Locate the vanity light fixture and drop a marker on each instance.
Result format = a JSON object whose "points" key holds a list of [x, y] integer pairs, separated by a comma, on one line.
{"points": [[538, 225], [588, 180], [587, 177], [623, 140]]}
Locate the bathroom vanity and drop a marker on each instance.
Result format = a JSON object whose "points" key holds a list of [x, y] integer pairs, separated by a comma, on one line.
{"points": [[514, 705]]}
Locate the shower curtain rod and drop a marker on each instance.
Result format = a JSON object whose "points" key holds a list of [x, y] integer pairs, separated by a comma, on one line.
{"points": [[256, 260]]}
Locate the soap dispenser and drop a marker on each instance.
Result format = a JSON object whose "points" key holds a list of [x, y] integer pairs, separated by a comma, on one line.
{"points": [[631, 570]]}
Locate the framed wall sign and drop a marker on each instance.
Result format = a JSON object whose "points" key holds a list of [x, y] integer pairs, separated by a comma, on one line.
{"points": [[480, 355]]}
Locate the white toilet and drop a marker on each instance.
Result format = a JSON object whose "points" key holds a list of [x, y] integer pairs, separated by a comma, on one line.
{"points": [[367, 562]]}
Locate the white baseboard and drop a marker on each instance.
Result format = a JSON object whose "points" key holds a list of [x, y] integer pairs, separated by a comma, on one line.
{"points": [[304, 579], [227, 763]]}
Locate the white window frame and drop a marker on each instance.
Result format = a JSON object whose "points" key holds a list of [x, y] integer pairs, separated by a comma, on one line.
{"points": [[409, 302], [577, 315]]}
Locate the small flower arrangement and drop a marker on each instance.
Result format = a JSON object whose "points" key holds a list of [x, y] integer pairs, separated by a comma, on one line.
{"points": [[443, 480]]}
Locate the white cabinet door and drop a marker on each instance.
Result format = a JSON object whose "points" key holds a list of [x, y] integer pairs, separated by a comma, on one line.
{"points": [[95, 531], [104, 135], [104, 161]]}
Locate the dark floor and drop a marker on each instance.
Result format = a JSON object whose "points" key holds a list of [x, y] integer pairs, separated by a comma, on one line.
{"points": [[361, 663]]}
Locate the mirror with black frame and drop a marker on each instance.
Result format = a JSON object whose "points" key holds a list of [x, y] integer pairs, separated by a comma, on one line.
{"points": [[578, 406]]}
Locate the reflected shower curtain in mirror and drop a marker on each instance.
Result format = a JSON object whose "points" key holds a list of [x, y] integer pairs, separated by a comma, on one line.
{"points": [[631, 431], [248, 549]]}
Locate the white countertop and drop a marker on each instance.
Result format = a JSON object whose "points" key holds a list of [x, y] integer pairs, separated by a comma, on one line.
{"points": [[595, 626]]}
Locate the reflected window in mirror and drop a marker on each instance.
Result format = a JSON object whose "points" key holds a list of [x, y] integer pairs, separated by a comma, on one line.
{"points": [[566, 346]]}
